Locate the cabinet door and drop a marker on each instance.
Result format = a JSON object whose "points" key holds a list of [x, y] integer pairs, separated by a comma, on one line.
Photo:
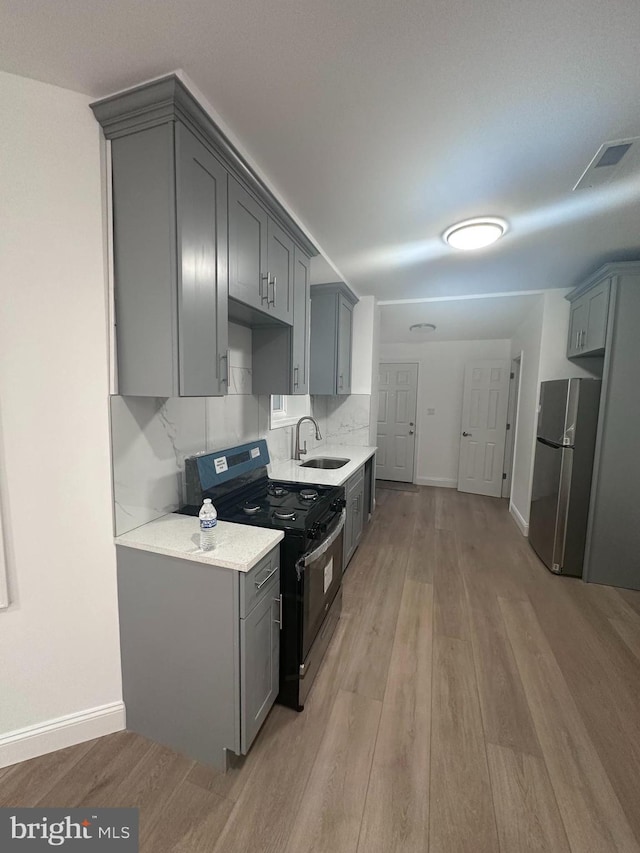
{"points": [[247, 248], [597, 313], [345, 318], [301, 323], [359, 516], [280, 273], [259, 663], [577, 326], [201, 206], [354, 492]]}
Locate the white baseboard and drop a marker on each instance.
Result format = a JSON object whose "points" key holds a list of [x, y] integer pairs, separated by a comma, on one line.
{"points": [[443, 482], [32, 741], [519, 520]]}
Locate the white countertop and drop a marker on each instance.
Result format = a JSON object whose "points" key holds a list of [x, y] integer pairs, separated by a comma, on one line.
{"points": [[238, 546], [291, 471]]}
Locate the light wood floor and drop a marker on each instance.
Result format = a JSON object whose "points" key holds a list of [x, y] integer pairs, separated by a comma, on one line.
{"points": [[469, 701]]}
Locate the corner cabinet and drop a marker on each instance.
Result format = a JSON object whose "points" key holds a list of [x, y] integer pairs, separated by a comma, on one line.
{"points": [[198, 239], [331, 338], [200, 651], [588, 318]]}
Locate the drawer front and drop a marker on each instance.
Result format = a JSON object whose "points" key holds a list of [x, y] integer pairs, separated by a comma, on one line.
{"points": [[255, 584]]}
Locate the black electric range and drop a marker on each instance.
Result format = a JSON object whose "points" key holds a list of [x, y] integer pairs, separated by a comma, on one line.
{"points": [[311, 518]]}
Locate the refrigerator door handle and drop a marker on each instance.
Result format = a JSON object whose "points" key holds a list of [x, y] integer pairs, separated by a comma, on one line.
{"points": [[562, 514], [555, 444]]}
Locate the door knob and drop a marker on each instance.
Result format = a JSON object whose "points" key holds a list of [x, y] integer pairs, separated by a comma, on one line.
{"points": [[467, 435]]}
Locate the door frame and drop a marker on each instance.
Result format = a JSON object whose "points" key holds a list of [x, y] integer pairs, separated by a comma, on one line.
{"points": [[512, 424], [418, 364]]}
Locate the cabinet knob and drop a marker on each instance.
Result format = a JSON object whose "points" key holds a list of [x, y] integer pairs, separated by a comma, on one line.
{"points": [[467, 435]]}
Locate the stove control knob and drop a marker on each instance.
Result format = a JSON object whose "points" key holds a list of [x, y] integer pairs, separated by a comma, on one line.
{"points": [[338, 504]]}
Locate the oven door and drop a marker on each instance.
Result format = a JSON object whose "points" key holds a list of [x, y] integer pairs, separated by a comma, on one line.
{"points": [[321, 571]]}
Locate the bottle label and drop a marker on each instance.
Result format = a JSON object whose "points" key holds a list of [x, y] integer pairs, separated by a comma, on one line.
{"points": [[208, 523]]}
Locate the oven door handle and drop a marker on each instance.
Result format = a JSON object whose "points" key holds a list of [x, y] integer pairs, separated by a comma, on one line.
{"points": [[324, 546]]}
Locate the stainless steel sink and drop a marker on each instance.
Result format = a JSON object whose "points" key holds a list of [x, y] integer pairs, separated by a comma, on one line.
{"points": [[324, 462]]}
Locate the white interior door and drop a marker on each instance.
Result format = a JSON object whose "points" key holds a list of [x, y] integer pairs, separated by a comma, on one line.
{"points": [[484, 425], [397, 395]]}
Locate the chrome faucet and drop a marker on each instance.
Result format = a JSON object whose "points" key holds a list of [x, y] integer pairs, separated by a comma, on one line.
{"points": [[300, 450]]}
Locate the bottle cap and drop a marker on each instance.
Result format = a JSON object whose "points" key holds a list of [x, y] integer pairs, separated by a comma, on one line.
{"points": [[207, 501]]}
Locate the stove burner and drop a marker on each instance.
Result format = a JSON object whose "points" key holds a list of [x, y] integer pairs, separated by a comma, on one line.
{"points": [[250, 507], [277, 491], [284, 514], [308, 494]]}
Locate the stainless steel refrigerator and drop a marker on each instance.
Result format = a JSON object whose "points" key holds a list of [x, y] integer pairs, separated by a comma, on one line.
{"points": [[565, 444]]}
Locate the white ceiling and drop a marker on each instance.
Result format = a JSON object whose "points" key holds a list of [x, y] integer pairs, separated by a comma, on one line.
{"points": [[380, 123], [483, 319]]}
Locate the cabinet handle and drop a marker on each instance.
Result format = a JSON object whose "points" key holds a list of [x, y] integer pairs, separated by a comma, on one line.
{"points": [[341, 383], [225, 357], [260, 584], [278, 621], [264, 298], [576, 345], [583, 338], [275, 284], [296, 381]]}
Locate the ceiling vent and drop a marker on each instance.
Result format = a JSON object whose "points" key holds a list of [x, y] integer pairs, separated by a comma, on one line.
{"points": [[613, 161]]}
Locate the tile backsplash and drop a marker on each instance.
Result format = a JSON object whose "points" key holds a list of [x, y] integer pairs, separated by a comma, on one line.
{"points": [[151, 437]]}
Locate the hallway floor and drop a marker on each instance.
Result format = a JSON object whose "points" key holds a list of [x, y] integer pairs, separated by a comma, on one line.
{"points": [[469, 701]]}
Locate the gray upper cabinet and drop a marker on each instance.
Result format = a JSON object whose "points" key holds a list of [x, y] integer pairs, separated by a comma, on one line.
{"points": [[331, 338], [345, 342], [301, 322], [260, 257], [280, 271], [194, 226], [589, 315], [247, 248], [170, 264]]}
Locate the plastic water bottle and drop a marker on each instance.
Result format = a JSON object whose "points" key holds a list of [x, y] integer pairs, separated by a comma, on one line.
{"points": [[208, 520]]}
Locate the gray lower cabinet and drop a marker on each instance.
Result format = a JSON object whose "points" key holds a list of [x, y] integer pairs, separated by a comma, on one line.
{"points": [[260, 651], [331, 338], [354, 522], [200, 651], [588, 319], [170, 264]]}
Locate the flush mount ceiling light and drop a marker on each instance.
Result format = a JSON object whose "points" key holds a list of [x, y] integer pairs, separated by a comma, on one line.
{"points": [[475, 233], [422, 327]]}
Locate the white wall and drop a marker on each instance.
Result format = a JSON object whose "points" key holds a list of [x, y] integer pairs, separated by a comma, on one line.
{"points": [[441, 367], [526, 342], [59, 650], [364, 323]]}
